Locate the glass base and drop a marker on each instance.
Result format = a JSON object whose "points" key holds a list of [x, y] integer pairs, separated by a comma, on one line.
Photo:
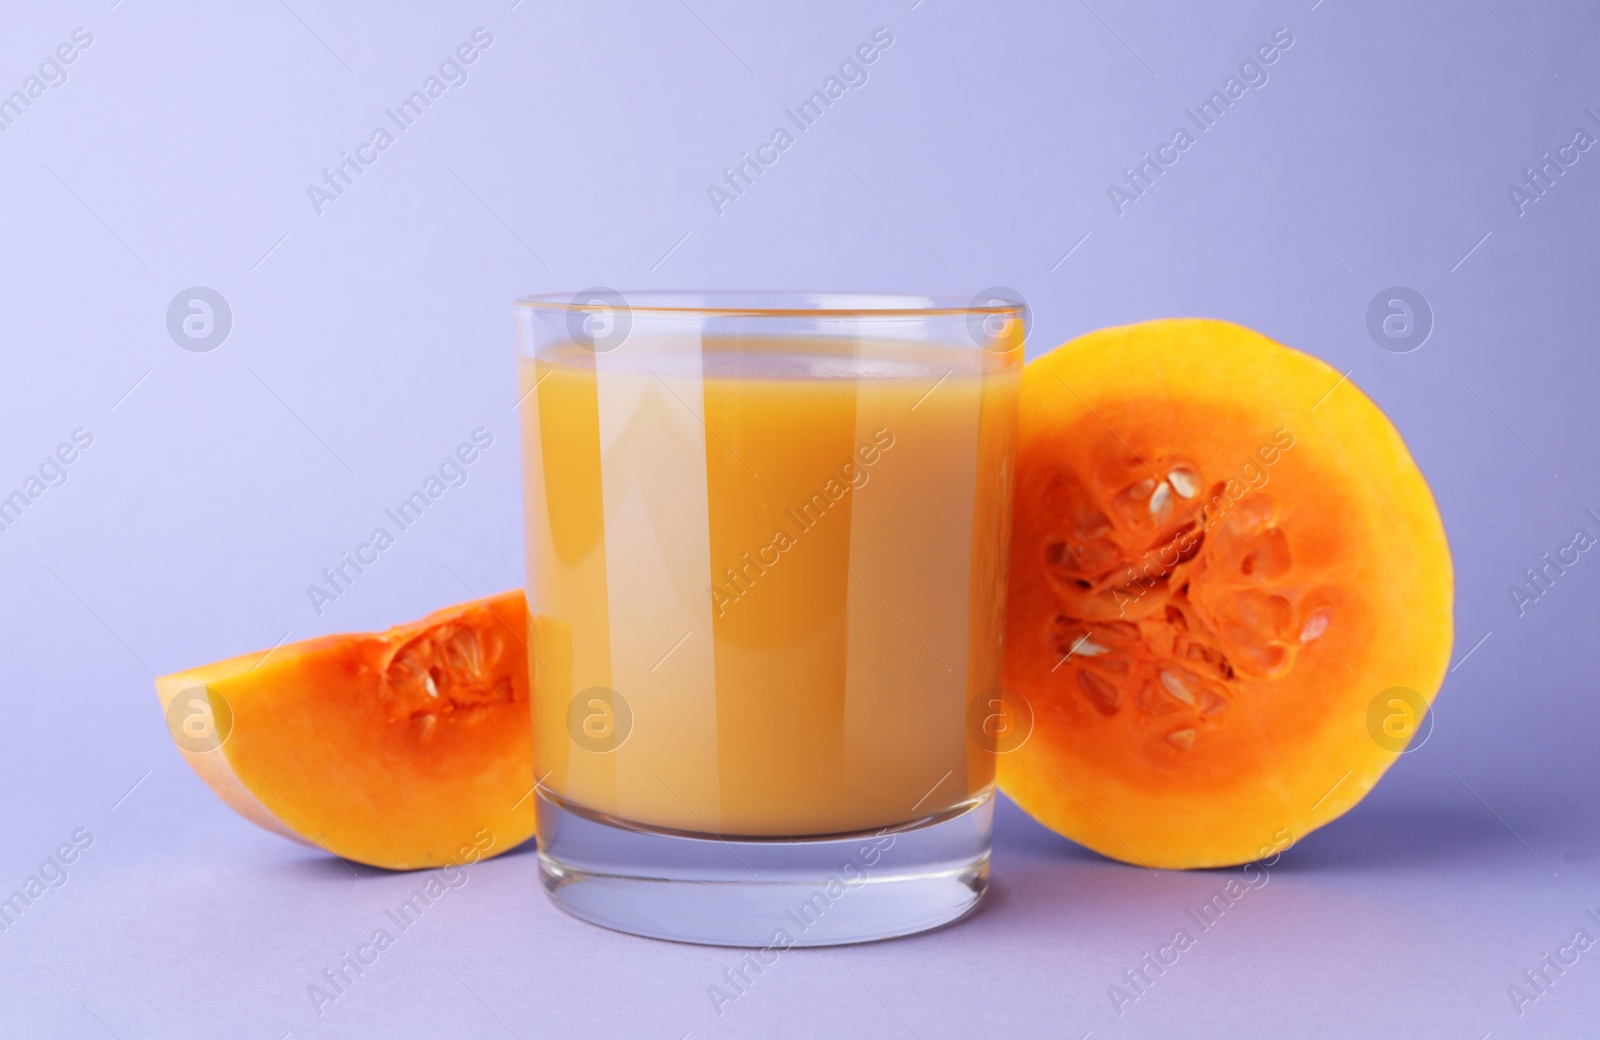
{"points": [[769, 893]]}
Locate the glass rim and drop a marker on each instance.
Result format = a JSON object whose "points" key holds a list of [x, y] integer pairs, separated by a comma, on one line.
{"points": [[790, 303]]}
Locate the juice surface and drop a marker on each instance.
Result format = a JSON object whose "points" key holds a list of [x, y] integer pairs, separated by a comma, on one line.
{"points": [[788, 570]]}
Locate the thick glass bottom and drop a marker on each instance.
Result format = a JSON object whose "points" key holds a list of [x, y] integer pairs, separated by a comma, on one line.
{"points": [[770, 892]]}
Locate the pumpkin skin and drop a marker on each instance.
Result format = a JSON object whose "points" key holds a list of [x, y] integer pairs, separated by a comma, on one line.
{"points": [[1224, 563], [404, 749]]}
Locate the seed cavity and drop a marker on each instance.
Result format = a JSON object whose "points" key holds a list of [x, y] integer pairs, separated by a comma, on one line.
{"points": [[1091, 525], [405, 673], [1086, 647], [1185, 482], [1082, 557], [1173, 683], [464, 653], [1160, 499], [1165, 609], [1269, 555], [1106, 698], [1153, 701], [443, 670]]}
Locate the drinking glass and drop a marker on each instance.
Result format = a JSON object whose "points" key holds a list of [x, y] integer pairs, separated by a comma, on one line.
{"points": [[766, 543]]}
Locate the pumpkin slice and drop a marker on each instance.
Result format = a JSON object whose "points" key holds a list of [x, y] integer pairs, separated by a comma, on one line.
{"points": [[1230, 594], [406, 749]]}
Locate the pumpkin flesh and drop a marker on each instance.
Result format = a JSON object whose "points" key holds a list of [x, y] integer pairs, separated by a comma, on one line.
{"points": [[404, 749]]}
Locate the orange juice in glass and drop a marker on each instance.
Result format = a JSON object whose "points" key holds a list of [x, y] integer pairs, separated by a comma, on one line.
{"points": [[766, 544]]}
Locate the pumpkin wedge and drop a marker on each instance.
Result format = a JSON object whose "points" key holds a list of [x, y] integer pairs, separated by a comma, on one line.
{"points": [[404, 749], [1230, 594]]}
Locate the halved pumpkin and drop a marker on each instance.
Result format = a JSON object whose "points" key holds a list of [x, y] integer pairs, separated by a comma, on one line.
{"points": [[1230, 594], [403, 749]]}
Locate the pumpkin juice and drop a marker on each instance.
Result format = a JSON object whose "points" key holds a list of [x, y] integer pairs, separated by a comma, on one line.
{"points": [[765, 586]]}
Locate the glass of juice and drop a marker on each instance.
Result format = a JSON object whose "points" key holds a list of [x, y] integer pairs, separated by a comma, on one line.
{"points": [[767, 542]]}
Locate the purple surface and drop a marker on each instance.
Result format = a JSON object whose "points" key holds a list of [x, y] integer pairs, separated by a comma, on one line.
{"points": [[368, 340]]}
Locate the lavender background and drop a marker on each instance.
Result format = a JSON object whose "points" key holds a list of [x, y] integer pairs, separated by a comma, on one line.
{"points": [[370, 339]]}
